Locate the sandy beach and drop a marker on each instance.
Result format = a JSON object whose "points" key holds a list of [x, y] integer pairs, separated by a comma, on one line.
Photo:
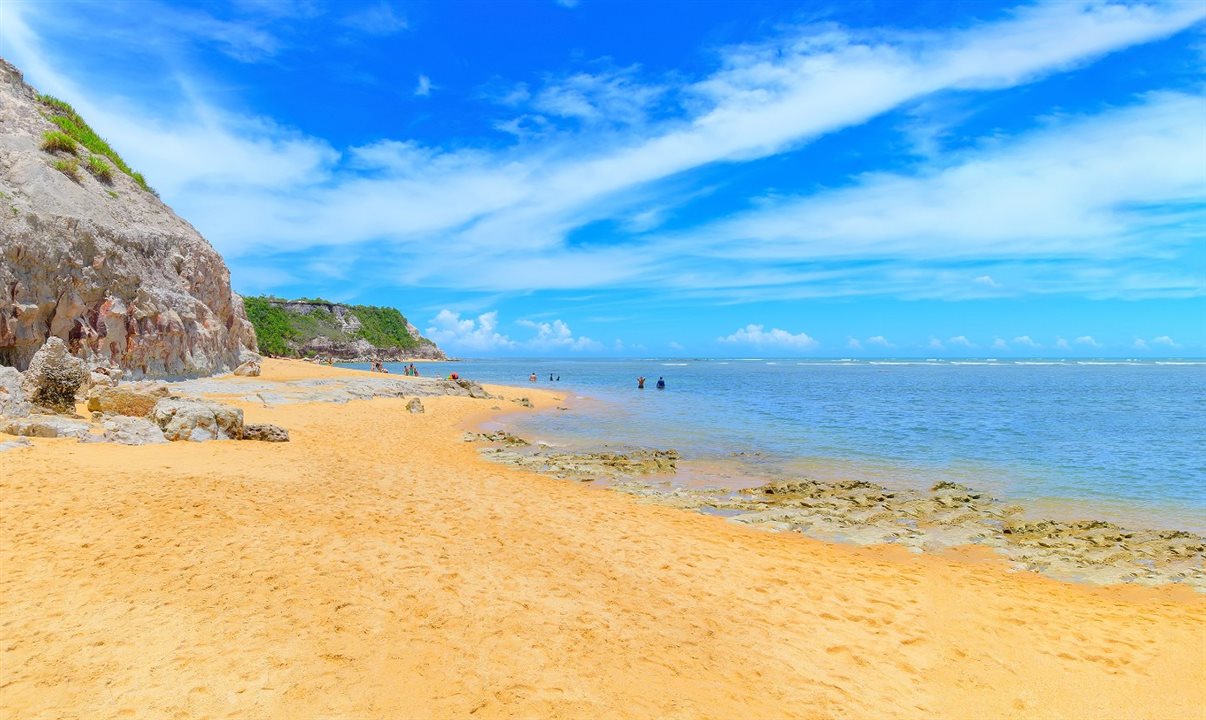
{"points": [[377, 567]]}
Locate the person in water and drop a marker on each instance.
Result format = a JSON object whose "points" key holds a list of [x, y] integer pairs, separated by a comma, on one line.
{"points": [[661, 384], [640, 383], [532, 377]]}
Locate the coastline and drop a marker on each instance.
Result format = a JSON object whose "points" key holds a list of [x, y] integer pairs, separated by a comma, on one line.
{"points": [[376, 566]]}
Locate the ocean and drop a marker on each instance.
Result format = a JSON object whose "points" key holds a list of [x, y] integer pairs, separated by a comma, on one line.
{"points": [[1123, 440]]}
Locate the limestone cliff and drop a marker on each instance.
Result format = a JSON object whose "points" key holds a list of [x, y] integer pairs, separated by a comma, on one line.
{"points": [[319, 328], [89, 254]]}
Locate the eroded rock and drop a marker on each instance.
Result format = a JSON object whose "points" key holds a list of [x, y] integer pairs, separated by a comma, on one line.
{"points": [[250, 368], [415, 405], [133, 399], [265, 432], [197, 420], [13, 402], [54, 376], [46, 426], [125, 430]]}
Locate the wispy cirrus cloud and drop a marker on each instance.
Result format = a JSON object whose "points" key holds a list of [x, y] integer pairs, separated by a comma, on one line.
{"points": [[1091, 184]]}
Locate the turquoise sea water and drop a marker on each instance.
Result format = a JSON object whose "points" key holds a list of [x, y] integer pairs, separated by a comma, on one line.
{"points": [[1125, 440]]}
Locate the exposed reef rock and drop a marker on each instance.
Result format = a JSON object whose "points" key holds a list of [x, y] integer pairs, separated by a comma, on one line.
{"points": [[53, 377], [100, 262]]}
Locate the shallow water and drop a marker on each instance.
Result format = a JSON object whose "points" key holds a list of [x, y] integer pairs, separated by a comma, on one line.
{"points": [[1091, 438]]}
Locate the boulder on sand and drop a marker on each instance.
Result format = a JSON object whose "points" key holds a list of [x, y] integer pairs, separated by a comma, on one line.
{"points": [[54, 376], [13, 402], [132, 431], [197, 420], [415, 405], [250, 368], [133, 399]]}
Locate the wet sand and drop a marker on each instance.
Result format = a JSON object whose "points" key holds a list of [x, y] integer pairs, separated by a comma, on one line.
{"points": [[377, 567]]}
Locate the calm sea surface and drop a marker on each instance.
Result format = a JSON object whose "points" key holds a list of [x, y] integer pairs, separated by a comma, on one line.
{"points": [[1124, 440]]}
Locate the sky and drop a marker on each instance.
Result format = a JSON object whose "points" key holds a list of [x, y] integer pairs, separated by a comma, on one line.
{"points": [[615, 178]]}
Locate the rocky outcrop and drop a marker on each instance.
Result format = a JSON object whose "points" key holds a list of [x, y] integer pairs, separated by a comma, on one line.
{"points": [[132, 431], [53, 377], [134, 399], [415, 405], [45, 426], [103, 264], [197, 420], [352, 333], [251, 368]]}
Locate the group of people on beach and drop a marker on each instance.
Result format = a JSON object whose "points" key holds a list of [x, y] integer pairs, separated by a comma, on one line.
{"points": [[532, 378], [661, 383], [379, 366]]}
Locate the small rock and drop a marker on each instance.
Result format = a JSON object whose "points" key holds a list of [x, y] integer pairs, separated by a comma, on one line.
{"points": [[414, 405], [265, 432], [250, 368], [524, 402]]}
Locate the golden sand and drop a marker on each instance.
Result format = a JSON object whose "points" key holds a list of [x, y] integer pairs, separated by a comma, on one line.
{"points": [[376, 567]]}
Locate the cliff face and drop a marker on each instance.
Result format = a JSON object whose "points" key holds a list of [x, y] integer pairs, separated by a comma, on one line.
{"points": [[96, 259], [317, 328]]}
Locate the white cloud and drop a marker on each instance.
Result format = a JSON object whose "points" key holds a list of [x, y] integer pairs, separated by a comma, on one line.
{"points": [[254, 187], [1087, 340], [986, 281], [1140, 344], [450, 330], [999, 344], [1061, 344], [1165, 341], [854, 344], [567, 3], [1026, 341], [936, 344], [557, 334], [674, 345], [423, 88], [758, 336], [879, 340], [960, 341], [378, 19]]}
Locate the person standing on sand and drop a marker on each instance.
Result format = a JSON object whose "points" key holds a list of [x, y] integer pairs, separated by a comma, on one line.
{"points": [[641, 383]]}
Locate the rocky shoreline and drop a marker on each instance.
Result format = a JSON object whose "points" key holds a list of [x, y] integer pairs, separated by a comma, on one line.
{"points": [[864, 513]]}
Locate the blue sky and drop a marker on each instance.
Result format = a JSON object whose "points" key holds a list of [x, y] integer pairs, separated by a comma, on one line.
{"points": [[553, 177]]}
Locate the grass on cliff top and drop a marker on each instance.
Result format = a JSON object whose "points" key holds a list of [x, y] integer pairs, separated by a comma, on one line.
{"points": [[70, 122], [279, 331], [55, 141]]}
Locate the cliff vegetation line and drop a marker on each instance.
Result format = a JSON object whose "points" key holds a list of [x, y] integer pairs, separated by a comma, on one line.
{"points": [[75, 130], [313, 326]]}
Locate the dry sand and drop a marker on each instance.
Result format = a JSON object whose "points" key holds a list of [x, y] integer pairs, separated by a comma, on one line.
{"points": [[376, 567]]}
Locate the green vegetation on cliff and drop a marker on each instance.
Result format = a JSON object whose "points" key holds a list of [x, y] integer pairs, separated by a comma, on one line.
{"points": [[283, 331], [74, 127]]}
